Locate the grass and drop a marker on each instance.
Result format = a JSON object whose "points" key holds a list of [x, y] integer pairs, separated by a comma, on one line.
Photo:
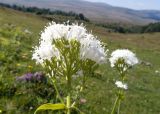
{"points": [[143, 94]]}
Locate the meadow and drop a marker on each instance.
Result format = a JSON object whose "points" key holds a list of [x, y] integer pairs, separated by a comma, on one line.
{"points": [[20, 31]]}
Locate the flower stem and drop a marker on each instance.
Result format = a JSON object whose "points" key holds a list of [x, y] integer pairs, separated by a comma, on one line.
{"points": [[114, 106], [119, 105], [68, 104], [69, 95], [58, 94]]}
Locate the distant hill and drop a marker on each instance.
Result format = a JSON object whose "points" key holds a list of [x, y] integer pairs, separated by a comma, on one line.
{"points": [[97, 12], [46, 13]]}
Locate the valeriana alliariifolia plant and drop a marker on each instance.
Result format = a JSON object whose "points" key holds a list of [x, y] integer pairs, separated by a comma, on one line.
{"points": [[121, 60], [65, 52]]}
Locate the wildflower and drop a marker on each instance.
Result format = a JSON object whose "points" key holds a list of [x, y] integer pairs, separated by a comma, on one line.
{"points": [[83, 101], [157, 71], [122, 85], [25, 77], [69, 51], [29, 66], [31, 108], [27, 31], [90, 47], [32, 77], [129, 57], [18, 64]]}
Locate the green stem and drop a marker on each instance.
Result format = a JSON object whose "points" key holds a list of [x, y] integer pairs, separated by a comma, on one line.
{"points": [[58, 94], [68, 104], [119, 105], [114, 106], [69, 95]]}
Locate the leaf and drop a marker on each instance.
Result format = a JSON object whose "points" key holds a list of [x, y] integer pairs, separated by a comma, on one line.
{"points": [[50, 106]]}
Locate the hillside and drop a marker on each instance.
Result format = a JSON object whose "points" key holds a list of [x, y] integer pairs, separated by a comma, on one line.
{"points": [[98, 12], [15, 60]]}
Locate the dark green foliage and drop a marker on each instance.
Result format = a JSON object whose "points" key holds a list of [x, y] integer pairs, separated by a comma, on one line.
{"points": [[39, 92], [7, 90], [120, 28], [30, 94], [81, 17], [153, 27]]}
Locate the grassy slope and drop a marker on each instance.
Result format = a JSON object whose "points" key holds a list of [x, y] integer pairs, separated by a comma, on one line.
{"points": [[19, 18], [143, 94]]}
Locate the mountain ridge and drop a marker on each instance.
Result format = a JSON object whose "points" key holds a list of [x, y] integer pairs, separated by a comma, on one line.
{"points": [[97, 12]]}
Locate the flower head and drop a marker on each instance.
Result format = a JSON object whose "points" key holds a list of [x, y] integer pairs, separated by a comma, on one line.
{"points": [[44, 52], [90, 47], [129, 57], [121, 85]]}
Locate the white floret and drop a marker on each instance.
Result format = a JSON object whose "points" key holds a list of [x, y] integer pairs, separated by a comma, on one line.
{"points": [[121, 85], [128, 56]]}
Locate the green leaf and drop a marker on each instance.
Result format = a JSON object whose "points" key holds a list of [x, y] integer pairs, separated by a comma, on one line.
{"points": [[50, 106]]}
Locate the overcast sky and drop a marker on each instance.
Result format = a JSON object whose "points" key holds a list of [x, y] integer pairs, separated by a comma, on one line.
{"points": [[133, 4]]}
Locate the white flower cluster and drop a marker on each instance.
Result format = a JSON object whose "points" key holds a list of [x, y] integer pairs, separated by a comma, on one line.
{"points": [[121, 85], [91, 48], [129, 57]]}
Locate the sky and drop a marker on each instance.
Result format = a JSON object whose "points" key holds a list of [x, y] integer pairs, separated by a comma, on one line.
{"points": [[133, 4]]}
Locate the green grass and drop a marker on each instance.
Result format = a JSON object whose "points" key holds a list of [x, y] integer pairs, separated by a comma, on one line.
{"points": [[143, 94]]}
